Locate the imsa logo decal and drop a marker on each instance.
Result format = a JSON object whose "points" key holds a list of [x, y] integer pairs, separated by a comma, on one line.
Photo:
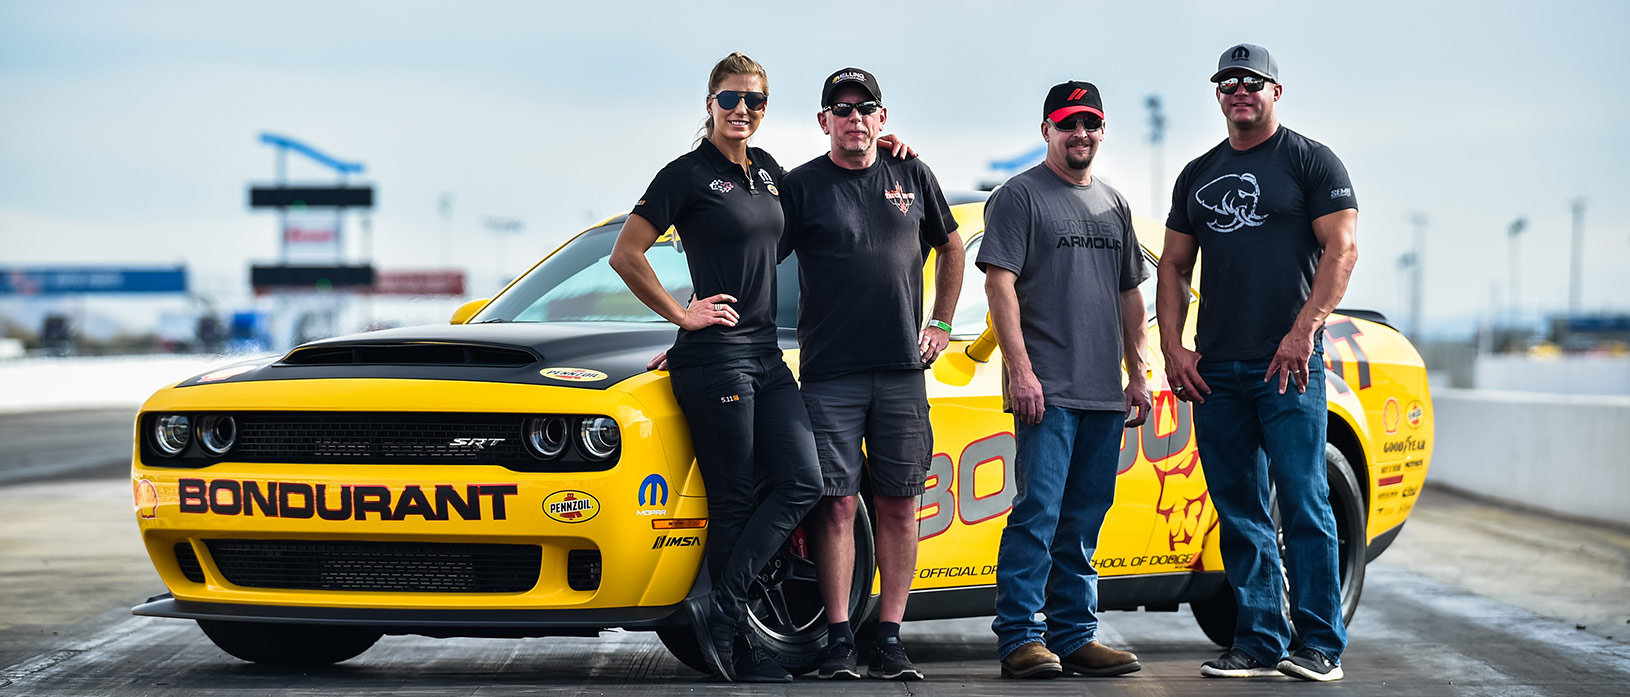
{"points": [[571, 506], [573, 374]]}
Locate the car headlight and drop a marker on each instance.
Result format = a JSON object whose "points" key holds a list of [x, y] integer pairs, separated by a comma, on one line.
{"points": [[217, 433], [546, 436], [171, 433], [599, 437]]}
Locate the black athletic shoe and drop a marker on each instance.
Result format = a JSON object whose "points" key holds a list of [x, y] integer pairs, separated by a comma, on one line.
{"points": [[838, 662], [888, 661], [757, 665], [1235, 664], [1310, 664], [715, 634]]}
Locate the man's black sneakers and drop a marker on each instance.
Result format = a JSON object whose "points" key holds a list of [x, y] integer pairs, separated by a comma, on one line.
{"points": [[757, 665], [888, 661], [1236, 664], [838, 662], [1310, 664]]}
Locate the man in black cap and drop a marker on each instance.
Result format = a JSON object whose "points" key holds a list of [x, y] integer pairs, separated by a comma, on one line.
{"points": [[1274, 214], [1062, 267], [860, 225]]}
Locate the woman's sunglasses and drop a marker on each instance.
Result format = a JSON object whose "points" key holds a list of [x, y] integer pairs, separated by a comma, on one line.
{"points": [[843, 109], [1252, 84], [728, 99]]}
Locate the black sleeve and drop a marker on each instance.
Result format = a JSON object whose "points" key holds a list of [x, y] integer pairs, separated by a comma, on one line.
{"points": [[790, 207], [1007, 230], [938, 222], [1178, 218], [667, 196], [1326, 188]]}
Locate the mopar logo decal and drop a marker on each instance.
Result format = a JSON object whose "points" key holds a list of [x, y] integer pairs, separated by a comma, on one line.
{"points": [[653, 492]]}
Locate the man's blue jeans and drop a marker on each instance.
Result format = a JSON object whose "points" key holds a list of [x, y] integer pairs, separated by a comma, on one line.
{"points": [[1249, 435], [1065, 473]]}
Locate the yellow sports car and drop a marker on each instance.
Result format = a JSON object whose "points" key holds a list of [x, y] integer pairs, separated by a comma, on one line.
{"points": [[520, 473]]}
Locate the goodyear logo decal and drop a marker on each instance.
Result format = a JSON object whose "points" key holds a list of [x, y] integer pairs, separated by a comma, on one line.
{"points": [[573, 374], [571, 506]]}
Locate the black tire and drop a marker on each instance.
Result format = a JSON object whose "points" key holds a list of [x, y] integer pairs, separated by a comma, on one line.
{"points": [[1216, 615], [288, 644]]}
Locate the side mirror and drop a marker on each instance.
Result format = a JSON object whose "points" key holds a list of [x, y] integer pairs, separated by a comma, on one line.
{"points": [[468, 310], [982, 348]]}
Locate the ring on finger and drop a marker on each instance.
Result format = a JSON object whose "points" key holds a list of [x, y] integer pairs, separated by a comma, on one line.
{"points": [[718, 306]]}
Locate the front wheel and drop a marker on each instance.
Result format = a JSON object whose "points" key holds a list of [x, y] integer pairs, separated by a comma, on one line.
{"points": [[785, 612], [1216, 615], [288, 644]]}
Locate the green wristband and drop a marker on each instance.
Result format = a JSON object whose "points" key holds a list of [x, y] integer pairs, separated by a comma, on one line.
{"points": [[936, 324]]}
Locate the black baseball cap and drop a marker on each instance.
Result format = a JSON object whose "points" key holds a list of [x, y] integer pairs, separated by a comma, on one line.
{"points": [[1072, 97], [1248, 57], [850, 76]]}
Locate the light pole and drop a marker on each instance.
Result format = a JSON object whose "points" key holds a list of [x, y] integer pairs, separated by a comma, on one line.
{"points": [[1417, 260], [1157, 137], [1576, 269], [1516, 228], [502, 227]]}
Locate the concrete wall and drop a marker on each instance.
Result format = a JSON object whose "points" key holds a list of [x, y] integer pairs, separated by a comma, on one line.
{"points": [[1600, 375], [1569, 454]]}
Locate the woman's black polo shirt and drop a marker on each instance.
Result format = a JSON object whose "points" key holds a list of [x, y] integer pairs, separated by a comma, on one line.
{"points": [[730, 226]]}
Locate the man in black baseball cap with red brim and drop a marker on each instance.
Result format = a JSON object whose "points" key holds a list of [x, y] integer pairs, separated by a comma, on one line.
{"points": [[1062, 269]]}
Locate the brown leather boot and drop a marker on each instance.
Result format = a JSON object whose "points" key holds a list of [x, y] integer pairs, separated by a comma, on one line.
{"points": [[1099, 661], [1030, 661]]}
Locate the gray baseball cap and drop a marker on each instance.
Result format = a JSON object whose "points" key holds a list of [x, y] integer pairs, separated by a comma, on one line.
{"points": [[1249, 57]]}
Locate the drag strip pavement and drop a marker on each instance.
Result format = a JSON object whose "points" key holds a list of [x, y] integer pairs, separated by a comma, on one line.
{"points": [[1413, 635]]}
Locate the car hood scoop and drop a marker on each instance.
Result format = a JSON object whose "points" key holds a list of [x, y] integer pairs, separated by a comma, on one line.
{"points": [[592, 355]]}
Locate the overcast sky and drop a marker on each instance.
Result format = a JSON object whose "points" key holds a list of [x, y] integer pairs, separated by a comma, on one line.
{"points": [[129, 131]]}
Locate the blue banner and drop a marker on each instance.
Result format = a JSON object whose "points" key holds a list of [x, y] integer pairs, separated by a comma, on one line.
{"points": [[71, 280]]}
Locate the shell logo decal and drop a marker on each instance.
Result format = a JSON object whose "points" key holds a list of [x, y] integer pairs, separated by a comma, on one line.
{"points": [[146, 498], [571, 506], [1389, 416], [573, 374]]}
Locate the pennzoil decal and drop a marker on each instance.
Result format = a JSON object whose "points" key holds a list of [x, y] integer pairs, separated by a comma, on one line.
{"points": [[571, 506], [225, 373], [573, 374], [1416, 412]]}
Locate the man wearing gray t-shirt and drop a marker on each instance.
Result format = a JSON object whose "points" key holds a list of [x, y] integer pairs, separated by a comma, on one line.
{"points": [[1062, 267]]}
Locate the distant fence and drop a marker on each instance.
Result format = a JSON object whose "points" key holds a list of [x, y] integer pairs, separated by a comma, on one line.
{"points": [[1568, 454]]}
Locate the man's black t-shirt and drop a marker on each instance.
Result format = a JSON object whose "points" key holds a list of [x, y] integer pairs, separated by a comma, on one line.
{"points": [[1252, 213], [729, 225], [861, 237]]}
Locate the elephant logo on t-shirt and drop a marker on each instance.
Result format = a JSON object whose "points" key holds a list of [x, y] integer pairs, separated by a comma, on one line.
{"points": [[1234, 196]]}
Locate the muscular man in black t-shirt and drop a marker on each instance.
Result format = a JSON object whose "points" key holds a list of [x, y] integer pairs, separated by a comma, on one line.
{"points": [[1274, 216], [861, 226]]}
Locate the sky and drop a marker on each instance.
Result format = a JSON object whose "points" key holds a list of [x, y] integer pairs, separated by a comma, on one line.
{"points": [[129, 132]]}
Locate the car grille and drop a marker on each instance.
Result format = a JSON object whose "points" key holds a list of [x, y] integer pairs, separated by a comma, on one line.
{"points": [[583, 569], [420, 567], [394, 438], [188, 561]]}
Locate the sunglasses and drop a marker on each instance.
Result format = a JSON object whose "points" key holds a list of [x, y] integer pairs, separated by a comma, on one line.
{"points": [[842, 109], [728, 99], [1252, 84], [1069, 125]]}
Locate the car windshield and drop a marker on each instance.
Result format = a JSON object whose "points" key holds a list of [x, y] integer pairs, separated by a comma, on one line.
{"points": [[577, 284]]}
